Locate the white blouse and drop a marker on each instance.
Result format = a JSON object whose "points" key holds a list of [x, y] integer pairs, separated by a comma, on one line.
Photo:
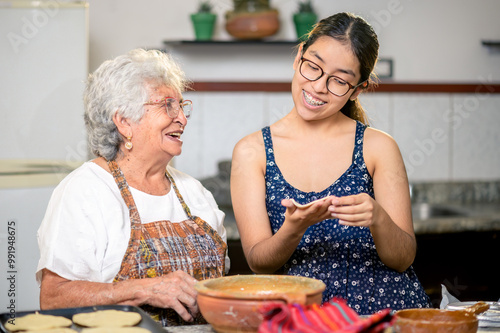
{"points": [[86, 228]]}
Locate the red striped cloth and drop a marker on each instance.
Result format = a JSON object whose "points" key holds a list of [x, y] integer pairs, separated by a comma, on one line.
{"points": [[332, 316]]}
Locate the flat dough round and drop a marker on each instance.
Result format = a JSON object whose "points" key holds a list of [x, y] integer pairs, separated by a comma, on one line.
{"points": [[37, 321], [115, 330], [54, 330], [107, 318]]}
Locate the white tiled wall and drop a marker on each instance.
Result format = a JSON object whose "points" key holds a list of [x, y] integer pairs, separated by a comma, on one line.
{"points": [[476, 137], [443, 137], [421, 132]]}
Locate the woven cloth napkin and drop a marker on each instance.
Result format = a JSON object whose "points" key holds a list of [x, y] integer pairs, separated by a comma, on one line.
{"points": [[332, 316]]}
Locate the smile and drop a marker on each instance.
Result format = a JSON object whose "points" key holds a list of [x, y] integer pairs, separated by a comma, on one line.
{"points": [[311, 100], [175, 135]]}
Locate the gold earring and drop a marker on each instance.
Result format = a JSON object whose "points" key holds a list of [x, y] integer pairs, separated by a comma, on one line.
{"points": [[128, 144]]}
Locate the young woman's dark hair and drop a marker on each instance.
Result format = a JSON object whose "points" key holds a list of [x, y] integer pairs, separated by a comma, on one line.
{"points": [[352, 30]]}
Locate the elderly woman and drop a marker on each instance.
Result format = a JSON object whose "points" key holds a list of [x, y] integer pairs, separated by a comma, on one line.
{"points": [[127, 228]]}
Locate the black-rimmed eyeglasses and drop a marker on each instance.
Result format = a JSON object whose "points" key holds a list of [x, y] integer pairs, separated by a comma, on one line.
{"points": [[172, 106], [313, 72]]}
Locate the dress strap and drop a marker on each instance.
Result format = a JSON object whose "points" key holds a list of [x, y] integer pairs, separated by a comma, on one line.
{"points": [[357, 154], [268, 144]]}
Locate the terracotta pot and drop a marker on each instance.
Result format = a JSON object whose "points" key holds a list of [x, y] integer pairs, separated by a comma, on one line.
{"points": [[231, 303], [435, 321], [252, 25]]}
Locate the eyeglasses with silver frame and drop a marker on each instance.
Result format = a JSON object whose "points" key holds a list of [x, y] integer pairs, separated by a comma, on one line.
{"points": [[172, 106], [313, 72]]}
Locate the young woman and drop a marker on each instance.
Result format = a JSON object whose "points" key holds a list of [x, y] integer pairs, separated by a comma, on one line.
{"points": [[359, 238]]}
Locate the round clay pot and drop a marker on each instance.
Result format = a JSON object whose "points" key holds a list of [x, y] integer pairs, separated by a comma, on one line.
{"points": [[435, 321], [252, 25], [231, 303]]}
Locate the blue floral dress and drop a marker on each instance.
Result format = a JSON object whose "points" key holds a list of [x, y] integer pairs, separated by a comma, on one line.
{"points": [[343, 257]]}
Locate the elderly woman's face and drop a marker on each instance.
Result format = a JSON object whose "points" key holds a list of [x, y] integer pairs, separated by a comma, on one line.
{"points": [[157, 134]]}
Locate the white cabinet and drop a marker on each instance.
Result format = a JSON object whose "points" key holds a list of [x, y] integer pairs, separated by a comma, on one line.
{"points": [[43, 66]]}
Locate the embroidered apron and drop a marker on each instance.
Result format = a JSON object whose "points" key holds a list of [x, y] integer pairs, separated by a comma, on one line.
{"points": [[162, 247]]}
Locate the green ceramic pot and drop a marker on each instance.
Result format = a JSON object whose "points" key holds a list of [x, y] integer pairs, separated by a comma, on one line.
{"points": [[304, 22], [250, 6], [203, 24]]}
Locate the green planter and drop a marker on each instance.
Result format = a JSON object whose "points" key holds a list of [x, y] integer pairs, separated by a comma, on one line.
{"points": [[304, 23], [203, 24]]}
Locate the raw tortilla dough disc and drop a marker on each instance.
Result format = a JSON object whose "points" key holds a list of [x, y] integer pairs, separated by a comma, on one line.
{"points": [[107, 318], [37, 321], [115, 330], [54, 330], [307, 204]]}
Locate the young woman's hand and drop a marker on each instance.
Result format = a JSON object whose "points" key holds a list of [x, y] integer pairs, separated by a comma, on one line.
{"points": [[356, 210], [304, 216]]}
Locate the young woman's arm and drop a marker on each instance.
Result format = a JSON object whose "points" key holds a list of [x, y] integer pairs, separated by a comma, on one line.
{"points": [[265, 252], [389, 215]]}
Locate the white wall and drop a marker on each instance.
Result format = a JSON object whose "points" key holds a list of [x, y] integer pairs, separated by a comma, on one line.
{"points": [[43, 63], [428, 40], [442, 137]]}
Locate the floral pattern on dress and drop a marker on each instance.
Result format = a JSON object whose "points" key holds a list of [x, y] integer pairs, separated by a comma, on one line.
{"points": [[343, 257]]}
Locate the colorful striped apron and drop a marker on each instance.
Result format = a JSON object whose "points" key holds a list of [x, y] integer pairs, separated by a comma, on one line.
{"points": [[162, 247]]}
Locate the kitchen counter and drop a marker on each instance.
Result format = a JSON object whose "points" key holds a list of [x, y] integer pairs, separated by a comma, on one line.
{"points": [[191, 329], [209, 329], [477, 204], [451, 251], [461, 226], [470, 217]]}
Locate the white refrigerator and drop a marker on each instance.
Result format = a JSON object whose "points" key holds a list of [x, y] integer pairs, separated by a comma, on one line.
{"points": [[43, 66]]}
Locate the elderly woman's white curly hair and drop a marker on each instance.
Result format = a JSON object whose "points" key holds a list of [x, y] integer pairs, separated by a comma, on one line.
{"points": [[121, 85]]}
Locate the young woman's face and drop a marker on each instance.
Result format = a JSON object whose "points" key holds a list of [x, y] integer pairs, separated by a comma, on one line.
{"points": [[156, 133], [312, 99]]}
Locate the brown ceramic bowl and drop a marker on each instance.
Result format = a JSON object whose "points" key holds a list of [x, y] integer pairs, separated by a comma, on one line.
{"points": [[435, 321], [252, 25], [231, 303]]}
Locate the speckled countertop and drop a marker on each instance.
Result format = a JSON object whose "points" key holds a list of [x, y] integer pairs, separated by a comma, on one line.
{"points": [[473, 217], [209, 329], [457, 207], [190, 329], [467, 217], [476, 204]]}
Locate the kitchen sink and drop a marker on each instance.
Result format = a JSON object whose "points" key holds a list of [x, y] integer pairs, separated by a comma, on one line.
{"points": [[425, 211]]}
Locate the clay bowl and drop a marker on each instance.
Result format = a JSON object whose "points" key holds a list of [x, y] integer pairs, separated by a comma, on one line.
{"points": [[252, 25], [435, 321], [231, 303]]}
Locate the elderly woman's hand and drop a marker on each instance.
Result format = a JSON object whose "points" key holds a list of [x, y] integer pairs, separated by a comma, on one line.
{"points": [[174, 290]]}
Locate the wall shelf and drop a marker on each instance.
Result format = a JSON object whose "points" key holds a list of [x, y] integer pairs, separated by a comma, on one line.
{"points": [[238, 42], [491, 43], [383, 87]]}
